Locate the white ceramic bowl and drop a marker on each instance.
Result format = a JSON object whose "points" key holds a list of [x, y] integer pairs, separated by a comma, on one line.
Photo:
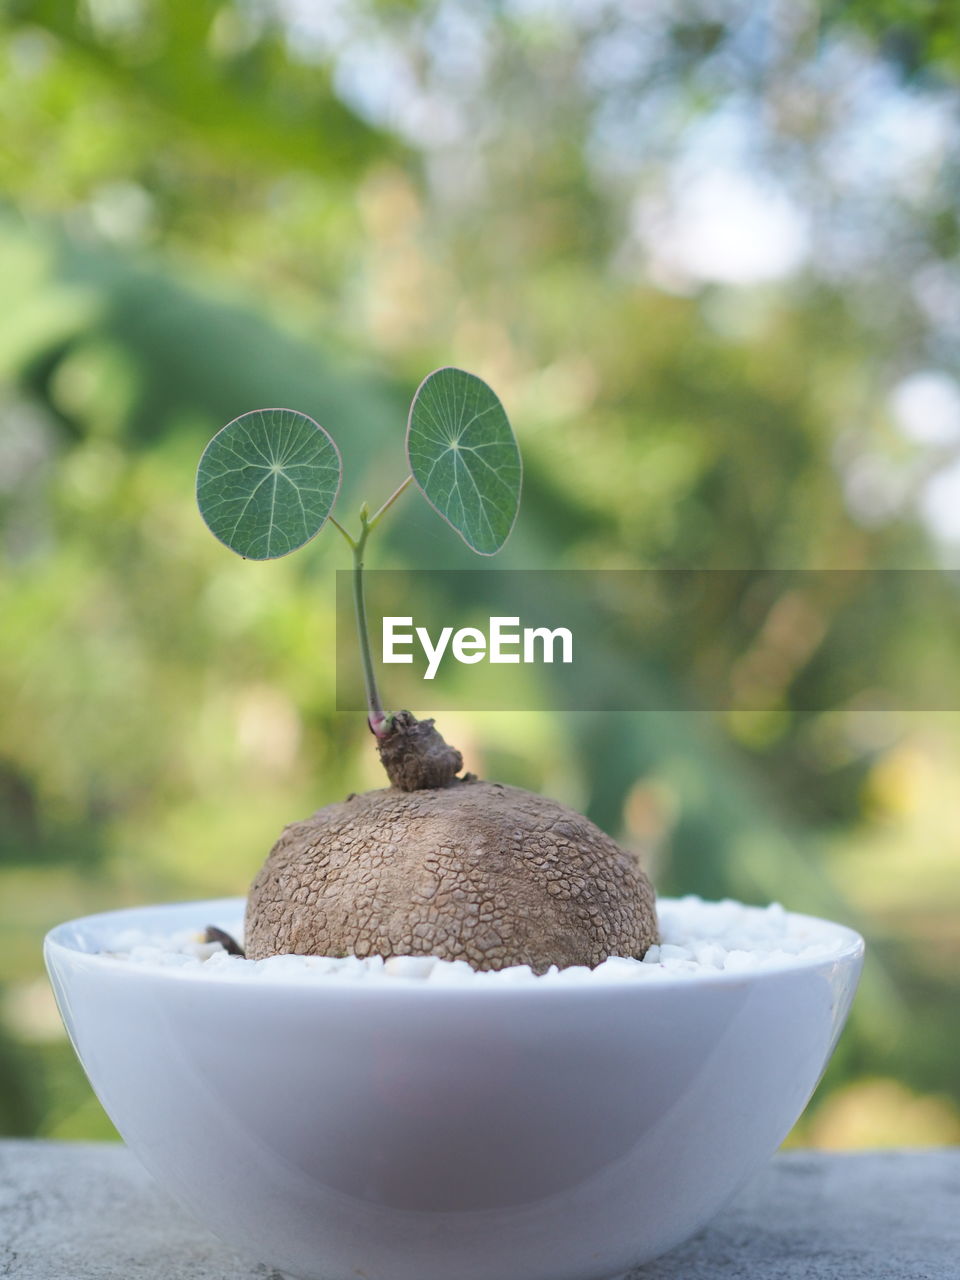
{"points": [[416, 1132]]}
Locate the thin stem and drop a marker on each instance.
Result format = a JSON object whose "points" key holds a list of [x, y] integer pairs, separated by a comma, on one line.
{"points": [[375, 714], [376, 717], [337, 525], [401, 488]]}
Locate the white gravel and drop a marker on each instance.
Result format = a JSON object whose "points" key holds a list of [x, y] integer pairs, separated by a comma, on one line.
{"points": [[698, 938]]}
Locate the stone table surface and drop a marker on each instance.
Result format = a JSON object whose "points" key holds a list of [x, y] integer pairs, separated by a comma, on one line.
{"points": [[79, 1211]]}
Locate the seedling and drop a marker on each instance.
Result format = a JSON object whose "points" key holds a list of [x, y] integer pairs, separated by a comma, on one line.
{"points": [[436, 864], [268, 482]]}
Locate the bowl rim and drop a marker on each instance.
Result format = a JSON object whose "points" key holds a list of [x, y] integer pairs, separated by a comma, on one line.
{"points": [[57, 940]]}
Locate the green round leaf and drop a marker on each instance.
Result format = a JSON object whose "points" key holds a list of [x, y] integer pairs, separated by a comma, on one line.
{"points": [[267, 482], [464, 457]]}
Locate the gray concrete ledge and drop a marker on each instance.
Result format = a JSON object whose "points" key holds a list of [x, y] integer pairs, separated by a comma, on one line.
{"points": [[77, 1211]]}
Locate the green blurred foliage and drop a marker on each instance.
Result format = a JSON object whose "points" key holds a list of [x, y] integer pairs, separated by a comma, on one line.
{"points": [[210, 207]]}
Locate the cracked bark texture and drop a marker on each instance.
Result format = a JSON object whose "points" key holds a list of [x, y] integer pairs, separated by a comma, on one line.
{"points": [[474, 871]]}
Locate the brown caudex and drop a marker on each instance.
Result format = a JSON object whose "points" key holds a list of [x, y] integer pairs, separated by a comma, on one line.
{"points": [[452, 867]]}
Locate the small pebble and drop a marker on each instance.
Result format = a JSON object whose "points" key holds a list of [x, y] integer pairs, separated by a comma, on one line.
{"points": [[409, 966], [450, 973]]}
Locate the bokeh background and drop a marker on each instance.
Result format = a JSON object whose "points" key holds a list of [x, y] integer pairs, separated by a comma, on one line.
{"points": [[705, 250]]}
